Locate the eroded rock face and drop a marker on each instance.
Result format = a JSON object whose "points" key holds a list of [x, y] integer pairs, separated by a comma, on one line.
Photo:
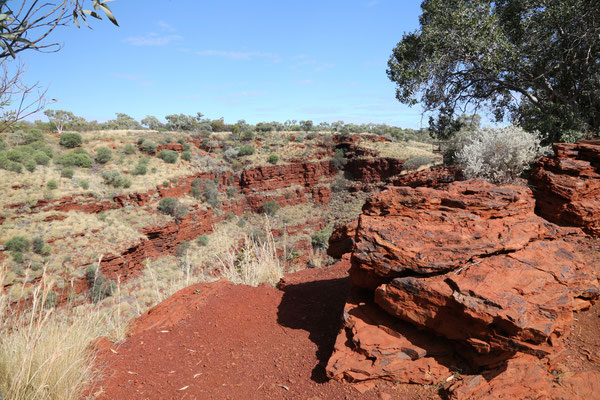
{"points": [[567, 185], [489, 286], [341, 240], [424, 231], [434, 177]]}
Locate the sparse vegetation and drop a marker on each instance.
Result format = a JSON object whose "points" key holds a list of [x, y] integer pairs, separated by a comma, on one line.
{"points": [[168, 156], [270, 208], [103, 155], [115, 179], [499, 155], [168, 205], [70, 140], [100, 286]]}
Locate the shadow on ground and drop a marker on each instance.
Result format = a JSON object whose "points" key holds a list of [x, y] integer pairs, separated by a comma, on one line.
{"points": [[315, 307]]}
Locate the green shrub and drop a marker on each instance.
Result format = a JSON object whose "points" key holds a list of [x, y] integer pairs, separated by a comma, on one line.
{"points": [[149, 147], [168, 205], [3, 144], [270, 208], [273, 159], [16, 155], [51, 299], [182, 248], [84, 184], [180, 211], [18, 244], [37, 245], [34, 135], [185, 146], [339, 159], [41, 158], [103, 155], [51, 185], [186, 155], [202, 240], [320, 239], [9, 165], [246, 150], [30, 165], [247, 135], [17, 257], [75, 159], [211, 195], [141, 168], [67, 172], [100, 287], [115, 179], [168, 156], [128, 149], [70, 140], [232, 191], [417, 162], [339, 185]]}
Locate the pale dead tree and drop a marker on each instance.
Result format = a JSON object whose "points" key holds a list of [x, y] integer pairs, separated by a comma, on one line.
{"points": [[28, 25], [18, 100]]}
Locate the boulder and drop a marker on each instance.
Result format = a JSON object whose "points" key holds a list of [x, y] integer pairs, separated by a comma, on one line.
{"points": [[341, 240], [466, 279], [567, 185]]}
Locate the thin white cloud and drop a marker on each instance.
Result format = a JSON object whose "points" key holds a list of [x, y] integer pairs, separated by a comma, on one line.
{"points": [[152, 39], [303, 61], [165, 27], [372, 3]]}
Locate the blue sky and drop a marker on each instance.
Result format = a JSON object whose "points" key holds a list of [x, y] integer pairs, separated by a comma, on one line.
{"points": [[259, 61]]}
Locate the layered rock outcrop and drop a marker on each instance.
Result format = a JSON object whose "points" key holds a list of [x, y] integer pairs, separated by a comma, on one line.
{"points": [[462, 279], [567, 185]]}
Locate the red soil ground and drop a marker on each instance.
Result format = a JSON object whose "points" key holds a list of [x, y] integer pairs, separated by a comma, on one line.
{"points": [[221, 341]]}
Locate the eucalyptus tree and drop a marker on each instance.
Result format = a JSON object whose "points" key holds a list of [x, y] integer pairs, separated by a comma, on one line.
{"points": [[534, 62]]}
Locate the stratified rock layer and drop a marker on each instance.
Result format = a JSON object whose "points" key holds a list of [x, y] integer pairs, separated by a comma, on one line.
{"points": [[567, 185], [462, 279]]}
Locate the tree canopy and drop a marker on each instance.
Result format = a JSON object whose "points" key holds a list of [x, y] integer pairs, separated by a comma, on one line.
{"points": [[534, 62]]}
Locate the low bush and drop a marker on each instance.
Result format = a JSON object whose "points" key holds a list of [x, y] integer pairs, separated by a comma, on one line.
{"points": [[202, 240], [115, 179], [270, 208], [186, 155], [37, 245], [339, 159], [417, 162], [320, 239], [84, 184], [247, 135], [41, 158], [211, 195], [182, 248], [34, 135], [149, 147], [30, 165], [100, 286], [246, 150], [67, 172], [168, 205], [9, 165], [339, 185], [499, 155], [18, 244], [51, 185], [168, 156], [103, 155], [70, 140], [75, 159], [141, 167], [273, 159], [128, 149]]}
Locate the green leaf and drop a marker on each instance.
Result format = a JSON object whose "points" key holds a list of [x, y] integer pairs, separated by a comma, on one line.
{"points": [[109, 14]]}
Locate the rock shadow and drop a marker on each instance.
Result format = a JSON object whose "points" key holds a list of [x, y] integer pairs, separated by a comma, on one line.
{"points": [[316, 307]]}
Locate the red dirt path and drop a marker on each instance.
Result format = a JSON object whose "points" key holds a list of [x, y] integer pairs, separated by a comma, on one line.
{"points": [[221, 341]]}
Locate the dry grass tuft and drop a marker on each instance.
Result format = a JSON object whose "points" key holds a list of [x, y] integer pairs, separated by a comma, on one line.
{"points": [[254, 263], [44, 354]]}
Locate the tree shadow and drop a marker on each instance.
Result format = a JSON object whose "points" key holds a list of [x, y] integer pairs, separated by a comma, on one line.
{"points": [[315, 307]]}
